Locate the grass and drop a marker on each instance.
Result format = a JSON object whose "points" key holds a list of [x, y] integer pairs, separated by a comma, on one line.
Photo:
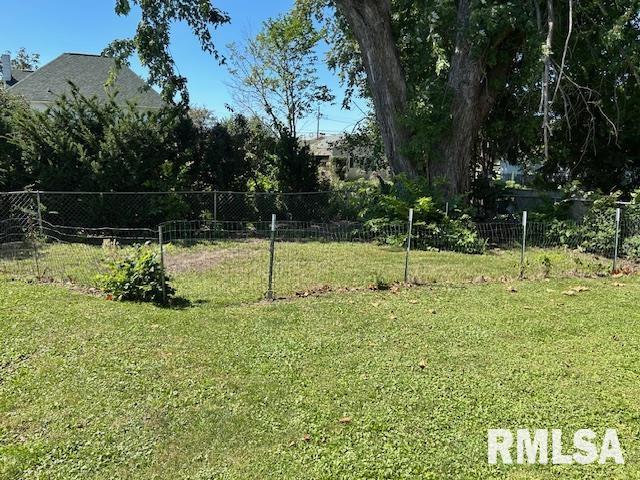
{"points": [[232, 272], [226, 389]]}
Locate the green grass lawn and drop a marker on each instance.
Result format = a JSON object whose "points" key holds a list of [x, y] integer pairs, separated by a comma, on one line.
{"points": [[231, 272], [225, 389]]}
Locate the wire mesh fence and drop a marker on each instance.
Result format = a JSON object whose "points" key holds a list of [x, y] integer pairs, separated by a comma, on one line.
{"points": [[230, 261], [149, 209], [56, 237]]}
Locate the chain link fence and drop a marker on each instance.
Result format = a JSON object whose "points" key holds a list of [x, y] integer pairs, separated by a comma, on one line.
{"points": [[237, 261], [149, 209]]}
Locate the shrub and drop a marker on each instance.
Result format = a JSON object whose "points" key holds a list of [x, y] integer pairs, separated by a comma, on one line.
{"points": [[631, 248], [457, 235], [385, 207], [136, 277]]}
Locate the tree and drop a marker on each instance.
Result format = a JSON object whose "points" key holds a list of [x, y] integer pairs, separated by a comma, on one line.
{"points": [[153, 35], [81, 143], [395, 71], [24, 60], [275, 73], [12, 170], [275, 78], [453, 61], [371, 25]]}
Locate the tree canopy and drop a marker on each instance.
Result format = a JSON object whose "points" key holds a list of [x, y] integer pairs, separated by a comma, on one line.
{"points": [[153, 36], [487, 77]]}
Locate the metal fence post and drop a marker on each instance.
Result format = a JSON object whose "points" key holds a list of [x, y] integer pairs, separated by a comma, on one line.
{"points": [[406, 258], [162, 276], [446, 209], [272, 248], [524, 243], [36, 255], [39, 203], [617, 237]]}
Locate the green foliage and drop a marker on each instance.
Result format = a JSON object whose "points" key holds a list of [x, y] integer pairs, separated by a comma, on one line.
{"points": [[297, 167], [364, 146], [83, 144], [598, 227], [153, 36], [596, 233], [12, 170], [385, 207], [593, 100], [631, 248], [137, 277], [275, 72], [23, 60]]}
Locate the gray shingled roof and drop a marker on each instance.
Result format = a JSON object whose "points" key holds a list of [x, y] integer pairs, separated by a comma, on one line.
{"points": [[89, 73], [18, 75]]}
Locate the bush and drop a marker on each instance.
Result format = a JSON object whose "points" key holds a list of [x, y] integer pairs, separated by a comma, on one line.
{"points": [[384, 208], [136, 277], [631, 248]]}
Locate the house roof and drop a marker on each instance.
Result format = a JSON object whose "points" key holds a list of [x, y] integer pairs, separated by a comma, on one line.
{"points": [[18, 75], [89, 73]]}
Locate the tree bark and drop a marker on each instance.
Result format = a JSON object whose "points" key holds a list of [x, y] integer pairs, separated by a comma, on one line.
{"points": [[472, 86], [370, 22]]}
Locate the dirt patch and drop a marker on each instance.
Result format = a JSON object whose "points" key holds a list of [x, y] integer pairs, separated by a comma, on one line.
{"points": [[203, 260]]}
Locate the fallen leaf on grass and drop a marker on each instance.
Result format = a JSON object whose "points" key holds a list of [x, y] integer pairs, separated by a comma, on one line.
{"points": [[422, 364], [432, 311], [306, 437], [413, 302], [512, 289], [375, 304], [579, 289], [392, 317], [345, 420], [575, 290]]}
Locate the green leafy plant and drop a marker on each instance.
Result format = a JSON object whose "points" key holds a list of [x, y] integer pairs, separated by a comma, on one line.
{"points": [[137, 276], [631, 248]]}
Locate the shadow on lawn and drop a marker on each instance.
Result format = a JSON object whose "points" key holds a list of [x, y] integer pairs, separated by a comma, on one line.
{"points": [[181, 303]]}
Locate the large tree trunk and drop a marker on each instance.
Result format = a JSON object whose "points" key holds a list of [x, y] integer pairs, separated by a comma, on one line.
{"points": [[370, 22], [473, 87], [470, 104]]}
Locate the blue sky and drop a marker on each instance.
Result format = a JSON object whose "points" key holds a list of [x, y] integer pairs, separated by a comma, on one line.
{"points": [[53, 27]]}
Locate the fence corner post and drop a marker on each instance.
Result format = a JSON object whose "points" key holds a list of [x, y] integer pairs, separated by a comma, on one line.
{"points": [[617, 241], [524, 243], [406, 258], [162, 275], [272, 248]]}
